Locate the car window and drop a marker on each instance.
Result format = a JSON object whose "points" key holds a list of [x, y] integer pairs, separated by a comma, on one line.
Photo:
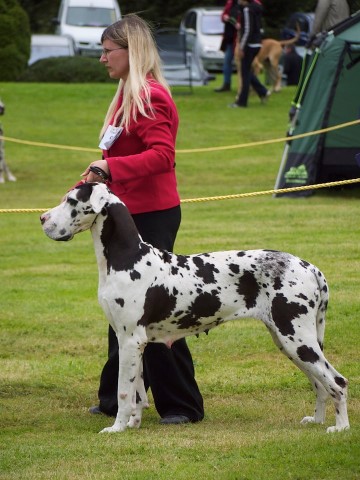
{"points": [[90, 16], [212, 25], [190, 20]]}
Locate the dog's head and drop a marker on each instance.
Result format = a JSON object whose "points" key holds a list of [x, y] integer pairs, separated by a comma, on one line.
{"points": [[77, 212]]}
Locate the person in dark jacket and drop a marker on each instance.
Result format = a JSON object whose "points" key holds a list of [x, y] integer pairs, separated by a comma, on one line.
{"points": [[292, 65], [250, 44], [230, 17]]}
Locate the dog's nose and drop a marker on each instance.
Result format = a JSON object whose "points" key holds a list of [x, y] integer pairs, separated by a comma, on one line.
{"points": [[43, 218]]}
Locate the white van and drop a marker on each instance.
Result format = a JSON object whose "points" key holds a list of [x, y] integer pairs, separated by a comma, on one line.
{"points": [[85, 20]]}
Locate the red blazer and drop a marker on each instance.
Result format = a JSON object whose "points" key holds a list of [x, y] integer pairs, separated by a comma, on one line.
{"points": [[142, 160]]}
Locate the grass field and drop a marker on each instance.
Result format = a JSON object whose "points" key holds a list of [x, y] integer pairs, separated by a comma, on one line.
{"points": [[53, 333]]}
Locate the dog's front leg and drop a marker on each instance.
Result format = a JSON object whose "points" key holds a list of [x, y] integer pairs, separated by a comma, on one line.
{"points": [[141, 399], [130, 361]]}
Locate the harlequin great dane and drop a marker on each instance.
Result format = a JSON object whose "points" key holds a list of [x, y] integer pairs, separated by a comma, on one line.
{"points": [[151, 295]]}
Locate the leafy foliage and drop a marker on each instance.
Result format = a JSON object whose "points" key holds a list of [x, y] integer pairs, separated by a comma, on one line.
{"points": [[76, 69], [14, 39]]}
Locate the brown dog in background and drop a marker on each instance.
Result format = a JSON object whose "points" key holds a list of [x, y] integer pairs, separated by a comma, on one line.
{"points": [[268, 58]]}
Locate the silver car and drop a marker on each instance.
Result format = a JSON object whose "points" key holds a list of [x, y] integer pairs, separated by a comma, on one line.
{"points": [[204, 30], [44, 46]]}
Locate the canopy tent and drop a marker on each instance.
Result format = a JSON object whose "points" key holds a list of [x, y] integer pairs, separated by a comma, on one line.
{"points": [[328, 95]]}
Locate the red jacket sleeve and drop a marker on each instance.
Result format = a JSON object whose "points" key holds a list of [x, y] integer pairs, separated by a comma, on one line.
{"points": [[149, 146]]}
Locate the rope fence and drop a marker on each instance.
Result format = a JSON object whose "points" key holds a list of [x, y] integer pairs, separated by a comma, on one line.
{"points": [[193, 150], [221, 197], [209, 149]]}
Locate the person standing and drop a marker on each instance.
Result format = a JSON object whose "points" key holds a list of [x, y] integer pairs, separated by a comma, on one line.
{"points": [[292, 65], [138, 143], [230, 18], [328, 13], [250, 44]]}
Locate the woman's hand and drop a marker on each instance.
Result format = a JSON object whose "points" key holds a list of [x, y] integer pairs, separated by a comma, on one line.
{"points": [[93, 177]]}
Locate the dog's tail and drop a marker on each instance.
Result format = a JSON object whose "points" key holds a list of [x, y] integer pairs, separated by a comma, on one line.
{"points": [[293, 40], [324, 301]]}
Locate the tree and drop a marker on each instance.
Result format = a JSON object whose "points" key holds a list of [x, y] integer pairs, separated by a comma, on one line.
{"points": [[14, 40]]}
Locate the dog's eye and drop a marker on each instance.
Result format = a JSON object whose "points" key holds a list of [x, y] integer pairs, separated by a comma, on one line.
{"points": [[72, 202]]}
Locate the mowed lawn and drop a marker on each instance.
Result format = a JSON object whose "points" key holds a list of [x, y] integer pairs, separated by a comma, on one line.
{"points": [[53, 340]]}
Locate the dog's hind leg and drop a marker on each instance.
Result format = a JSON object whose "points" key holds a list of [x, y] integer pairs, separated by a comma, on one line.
{"points": [[326, 381]]}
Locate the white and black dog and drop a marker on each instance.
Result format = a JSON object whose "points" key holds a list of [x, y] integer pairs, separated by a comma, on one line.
{"points": [[151, 295], [4, 169]]}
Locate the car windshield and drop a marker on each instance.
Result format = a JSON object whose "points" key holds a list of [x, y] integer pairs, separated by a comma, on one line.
{"points": [[211, 24], [90, 16]]}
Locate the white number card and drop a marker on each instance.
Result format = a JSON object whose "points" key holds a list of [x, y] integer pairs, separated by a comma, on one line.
{"points": [[110, 136]]}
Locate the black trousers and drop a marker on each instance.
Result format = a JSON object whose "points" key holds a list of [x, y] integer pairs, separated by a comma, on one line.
{"points": [[168, 372], [248, 78]]}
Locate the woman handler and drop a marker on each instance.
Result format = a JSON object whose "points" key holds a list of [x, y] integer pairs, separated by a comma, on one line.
{"points": [[138, 142]]}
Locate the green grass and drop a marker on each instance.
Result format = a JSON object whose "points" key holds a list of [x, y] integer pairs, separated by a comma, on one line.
{"points": [[53, 333]]}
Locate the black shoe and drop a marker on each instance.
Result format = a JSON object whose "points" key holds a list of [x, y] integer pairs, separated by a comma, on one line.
{"points": [[224, 88], [265, 98], [174, 420], [236, 105], [95, 410]]}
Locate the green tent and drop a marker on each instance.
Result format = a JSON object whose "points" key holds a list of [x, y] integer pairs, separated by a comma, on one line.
{"points": [[328, 95]]}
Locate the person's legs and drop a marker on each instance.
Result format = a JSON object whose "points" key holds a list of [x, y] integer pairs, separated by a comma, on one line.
{"points": [[246, 63], [259, 88], [168, 372], [227, 69]]}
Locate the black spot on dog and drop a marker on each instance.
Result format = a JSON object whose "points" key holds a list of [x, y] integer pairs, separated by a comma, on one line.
{"points": [[248, 288], [205, 305], [205, 270], [183, 262], [135, 275], [340, 381], [74, 213], [284, 312], [158, 305], [121, 241], [307, 354], [234, 268], [278, 283], [166, 256], [84, 192], [120, 301], [304, 264]]}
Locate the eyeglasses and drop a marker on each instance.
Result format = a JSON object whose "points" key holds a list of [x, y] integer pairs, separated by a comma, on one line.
{"points": [[106, 51]]}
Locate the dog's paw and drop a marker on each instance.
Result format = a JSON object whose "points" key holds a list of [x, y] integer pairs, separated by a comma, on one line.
{"points": [[113, 429], [308, 420], [134, 422], [337, 429]]}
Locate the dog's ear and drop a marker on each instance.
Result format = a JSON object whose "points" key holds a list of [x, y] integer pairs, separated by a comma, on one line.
{"points": [[99, 197]]}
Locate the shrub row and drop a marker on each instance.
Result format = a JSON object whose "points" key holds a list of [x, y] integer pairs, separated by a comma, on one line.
{"points": [[76, 69]]}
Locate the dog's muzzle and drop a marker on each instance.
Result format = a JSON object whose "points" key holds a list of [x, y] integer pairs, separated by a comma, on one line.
{"points": [[50, 229]]}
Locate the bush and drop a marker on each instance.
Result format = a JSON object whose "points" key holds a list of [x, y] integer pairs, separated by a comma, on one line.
{"points": [[14, 40], [76, 69]]}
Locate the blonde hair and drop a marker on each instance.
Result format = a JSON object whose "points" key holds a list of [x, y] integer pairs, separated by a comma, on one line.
{"points": [[135, 34]]}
